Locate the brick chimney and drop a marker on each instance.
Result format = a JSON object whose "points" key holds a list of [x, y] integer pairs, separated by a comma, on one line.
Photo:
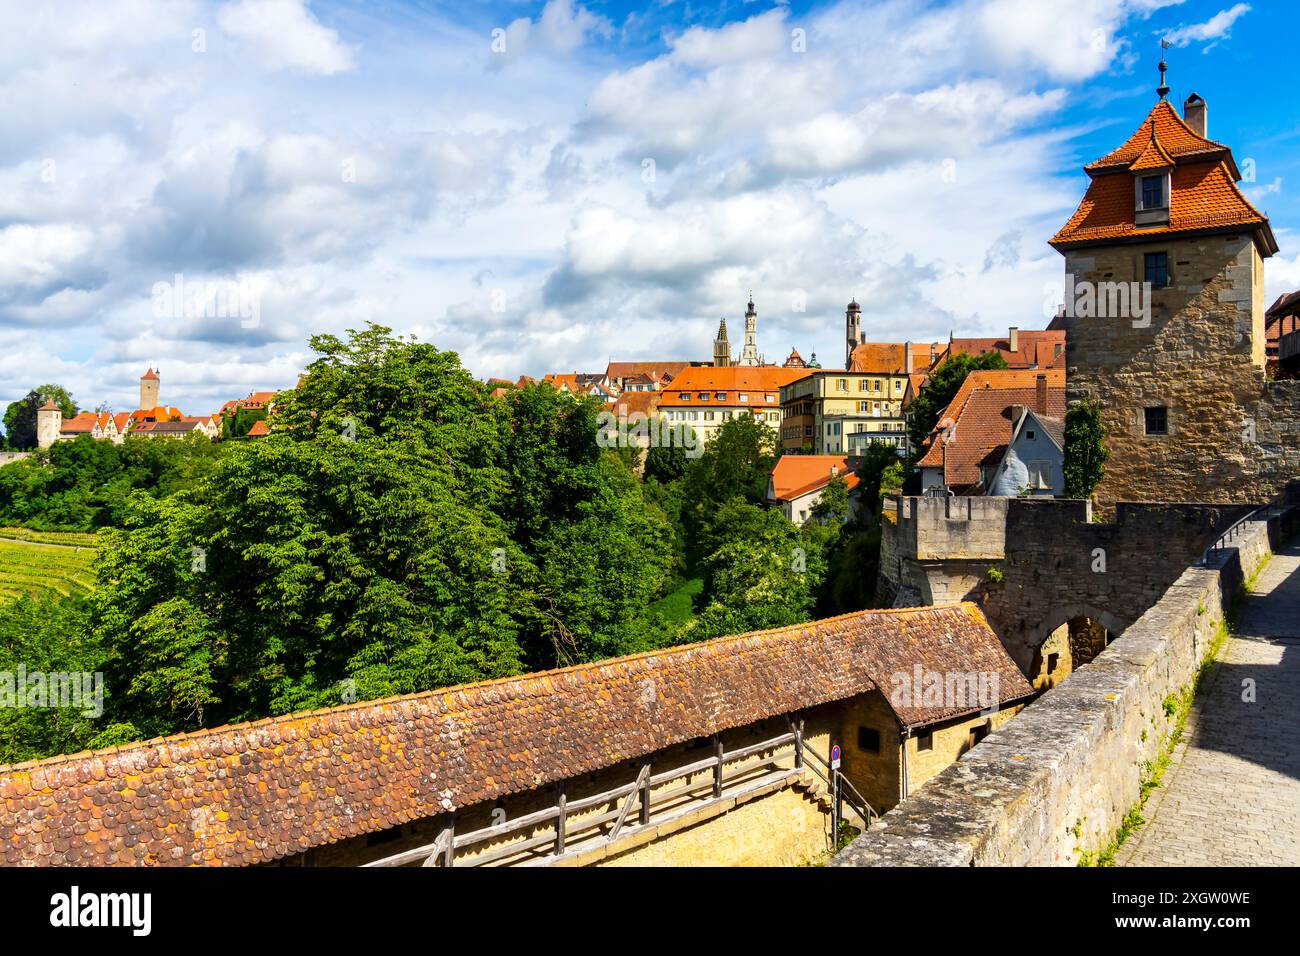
{"points": [[907, 357], [1013, 339], [1040, 395], [1194, 114]]}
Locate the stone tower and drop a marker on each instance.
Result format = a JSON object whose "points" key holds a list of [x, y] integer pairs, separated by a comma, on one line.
{"points": [[1164, 318], [749, 352], [722, 347], [49, 422], [149, 383], [852, 330]]}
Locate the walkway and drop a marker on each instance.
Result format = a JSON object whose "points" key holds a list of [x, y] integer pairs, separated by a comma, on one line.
{"points": [[1231, 795]]}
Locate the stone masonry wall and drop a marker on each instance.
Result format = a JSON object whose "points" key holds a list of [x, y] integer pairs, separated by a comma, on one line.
{"points": [[1202, 356], [1058, 780], [1056, 563]]}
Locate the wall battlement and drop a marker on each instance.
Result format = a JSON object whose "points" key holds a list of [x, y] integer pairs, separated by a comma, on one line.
{"points": [[1057, 781]]}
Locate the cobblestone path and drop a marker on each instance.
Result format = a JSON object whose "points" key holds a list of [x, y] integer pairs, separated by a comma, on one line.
{"points": [[1231, 795]]}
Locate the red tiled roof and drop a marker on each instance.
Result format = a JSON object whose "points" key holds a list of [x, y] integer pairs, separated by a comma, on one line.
{"points": [[1044, 348], [890, 358], [980, 412], [150, 375], [1203, 190], [259, 429], [630, 403], [654, 370], [49, 406], [1177, 140], [78, 424], [733, 380], [797, 475], [252, 793]]}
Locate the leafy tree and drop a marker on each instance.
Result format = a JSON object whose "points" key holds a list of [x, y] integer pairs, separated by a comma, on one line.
{"points": [[832, 506], [1085, 449], [83, 484], [939, 391], [20, 416], [400, 530], [666, 463]]}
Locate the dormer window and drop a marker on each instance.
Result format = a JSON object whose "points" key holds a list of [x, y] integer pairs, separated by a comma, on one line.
{"points": [[1152, 199]]}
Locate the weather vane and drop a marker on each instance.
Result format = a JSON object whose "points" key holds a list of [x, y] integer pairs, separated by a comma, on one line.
{"points": [[1163, 88]]}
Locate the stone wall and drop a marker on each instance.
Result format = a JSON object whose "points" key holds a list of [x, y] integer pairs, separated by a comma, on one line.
{"points": [[7, 457], [1200, 353], [1055, 563], [1057, 781]]}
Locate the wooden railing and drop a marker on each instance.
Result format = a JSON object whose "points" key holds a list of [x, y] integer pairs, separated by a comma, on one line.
{"points": [[570, 833]]}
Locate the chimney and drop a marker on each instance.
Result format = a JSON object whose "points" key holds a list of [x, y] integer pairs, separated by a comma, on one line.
{"points": [[907, 357], [933, 352], [1013, 339], [1040, 395], [1194, 114], [835, 470]]}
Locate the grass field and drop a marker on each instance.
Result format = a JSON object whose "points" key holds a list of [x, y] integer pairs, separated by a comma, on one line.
{"points": [[32, 568], [75, 538], [676, 606]]}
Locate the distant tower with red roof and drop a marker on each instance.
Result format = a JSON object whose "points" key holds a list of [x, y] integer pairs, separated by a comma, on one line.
{"points": [[49, 422], [1164, 313], [149, 384]]}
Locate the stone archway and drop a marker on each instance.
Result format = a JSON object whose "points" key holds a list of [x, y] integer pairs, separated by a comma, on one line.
{"points": [[1070, 637]]}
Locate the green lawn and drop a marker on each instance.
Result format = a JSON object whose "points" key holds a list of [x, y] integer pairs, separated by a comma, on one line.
{"points": [[676, 606], [31, 568]]}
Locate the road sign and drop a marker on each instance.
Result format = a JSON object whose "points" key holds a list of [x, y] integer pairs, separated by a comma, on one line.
{"points": [[835, 757]]}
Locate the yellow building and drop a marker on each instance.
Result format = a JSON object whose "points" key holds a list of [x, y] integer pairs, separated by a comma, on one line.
{"points": [[705, 397], [834, 412]]}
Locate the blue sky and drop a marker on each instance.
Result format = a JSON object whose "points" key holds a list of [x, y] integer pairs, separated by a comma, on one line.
{"points": [[545, 186]]}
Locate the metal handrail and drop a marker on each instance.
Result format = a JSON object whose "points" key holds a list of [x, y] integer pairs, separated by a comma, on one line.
{"points": [[1231, 534]]}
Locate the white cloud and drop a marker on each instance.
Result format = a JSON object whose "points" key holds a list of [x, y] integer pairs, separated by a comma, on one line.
{"points": [[1217, 27], [286, 35]]}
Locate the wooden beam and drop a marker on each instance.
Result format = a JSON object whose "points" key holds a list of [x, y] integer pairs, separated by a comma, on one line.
{"points": [[559, 820], [627, 804]]}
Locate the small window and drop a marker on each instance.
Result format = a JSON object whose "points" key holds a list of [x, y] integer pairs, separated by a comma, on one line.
{"points": [[686, 396], [704, 396], [1029, 435], [1157, 269], [1052, 661], [925, 741], [744, 399], [868, 740], [1157, 420], [720, 396], [1153, 192]]}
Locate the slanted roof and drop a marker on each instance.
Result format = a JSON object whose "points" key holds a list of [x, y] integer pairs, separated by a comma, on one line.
{"points": [[797, 475], [259, 429], [84, 423], [268, 789], [149, 375], [980, 415], [1178, 140], [734, 380], [1202, 185]]}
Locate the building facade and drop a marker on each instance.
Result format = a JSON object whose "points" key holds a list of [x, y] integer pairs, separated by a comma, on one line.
{"points": [[1180, 375], [833, 412], [706, 397]]}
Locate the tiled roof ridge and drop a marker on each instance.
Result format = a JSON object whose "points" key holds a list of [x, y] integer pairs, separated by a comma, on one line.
{"points": [[537, 676], [1202, 145]]}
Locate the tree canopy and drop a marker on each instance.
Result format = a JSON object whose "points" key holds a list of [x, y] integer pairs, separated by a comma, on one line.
{"points": [[20, 416], [1085, 449], [939, 391], [400, 529]]}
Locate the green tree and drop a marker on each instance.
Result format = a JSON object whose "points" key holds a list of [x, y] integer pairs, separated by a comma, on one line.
{"points": [[1085, 449], [400, 530], [20, 416], [939, 391]]}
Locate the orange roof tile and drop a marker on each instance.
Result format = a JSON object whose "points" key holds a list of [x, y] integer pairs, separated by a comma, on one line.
{"points": [[259, 429], [151, 374], [753, 381], [1177, 139], [797, 475], [980, 413], [269, 789], [1203, 188]]}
